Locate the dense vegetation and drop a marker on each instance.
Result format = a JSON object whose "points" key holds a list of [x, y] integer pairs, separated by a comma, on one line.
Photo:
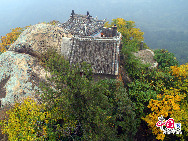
{"points": [[78, 108]]}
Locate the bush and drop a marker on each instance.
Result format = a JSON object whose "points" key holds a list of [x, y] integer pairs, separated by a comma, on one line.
{"points": [[140, 94], [168, 106], [133, 66], [172, 103], [3, 115], [165, 59]]}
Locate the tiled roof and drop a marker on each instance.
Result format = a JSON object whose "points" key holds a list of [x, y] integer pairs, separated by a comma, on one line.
{"points": [[83, 25]]}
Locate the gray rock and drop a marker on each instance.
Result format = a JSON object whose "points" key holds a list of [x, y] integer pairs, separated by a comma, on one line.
{"points": [[20, 72], [38, 38], [19, 76], [146, 56]]}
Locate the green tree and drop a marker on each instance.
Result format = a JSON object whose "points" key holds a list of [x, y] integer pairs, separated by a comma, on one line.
{"points": [[86, 109], [165, 59]]}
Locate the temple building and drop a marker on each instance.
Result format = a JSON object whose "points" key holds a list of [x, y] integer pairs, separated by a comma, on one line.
{"points": [[92, 43]]}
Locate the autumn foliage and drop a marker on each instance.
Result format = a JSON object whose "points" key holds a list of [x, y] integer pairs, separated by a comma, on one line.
{"points": [[26, 121], [166, 105], [173, 103], [127, 29], [10, 38]]}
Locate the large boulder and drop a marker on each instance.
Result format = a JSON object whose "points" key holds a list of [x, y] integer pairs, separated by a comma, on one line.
{"points": [[146, 56], [38, 38], [20, 72], [20, 76]]}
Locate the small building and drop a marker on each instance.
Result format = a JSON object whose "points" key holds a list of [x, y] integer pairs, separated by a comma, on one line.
{"points": [[92, 43]]}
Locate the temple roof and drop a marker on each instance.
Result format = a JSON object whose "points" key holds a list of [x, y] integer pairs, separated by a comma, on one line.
{"points": [[83, 25], [92, 43]]}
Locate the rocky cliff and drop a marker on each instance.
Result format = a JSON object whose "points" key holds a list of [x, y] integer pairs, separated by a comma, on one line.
{"points": [[20, 70]]}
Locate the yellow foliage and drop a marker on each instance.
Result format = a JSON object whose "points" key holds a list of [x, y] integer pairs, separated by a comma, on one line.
{"points": [[165, 105], [127, 29], [10, 38], [181, 77], [107, 24], [25, 121], [181, 71], [181, 81]]}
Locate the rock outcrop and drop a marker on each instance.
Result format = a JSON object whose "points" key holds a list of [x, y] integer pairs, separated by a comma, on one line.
{"points": [[38, 38], [146, 56], [20, 70], [20, 76]]}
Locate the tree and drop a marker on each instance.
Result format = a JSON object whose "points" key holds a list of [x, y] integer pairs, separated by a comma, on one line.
{"points": [[10, 38], [165, 59], [85, 109], [26, 121], [129, 32], [173, 103]]}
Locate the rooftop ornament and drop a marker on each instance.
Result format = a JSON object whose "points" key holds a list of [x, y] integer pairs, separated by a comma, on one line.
{"points": [[72, 14], [87, 13]]}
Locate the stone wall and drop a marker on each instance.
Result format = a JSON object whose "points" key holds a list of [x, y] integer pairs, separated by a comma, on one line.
{"points": [[66, 46]]}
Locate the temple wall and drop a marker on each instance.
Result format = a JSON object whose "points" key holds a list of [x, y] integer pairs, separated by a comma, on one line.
{"points": [[101, 53], [66, 47], [92, 43]]}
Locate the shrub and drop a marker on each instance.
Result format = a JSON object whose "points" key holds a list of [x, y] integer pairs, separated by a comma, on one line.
{"points": [[3, 115], [165, 59], [140, 93], [166, 105], [133, 66]]}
